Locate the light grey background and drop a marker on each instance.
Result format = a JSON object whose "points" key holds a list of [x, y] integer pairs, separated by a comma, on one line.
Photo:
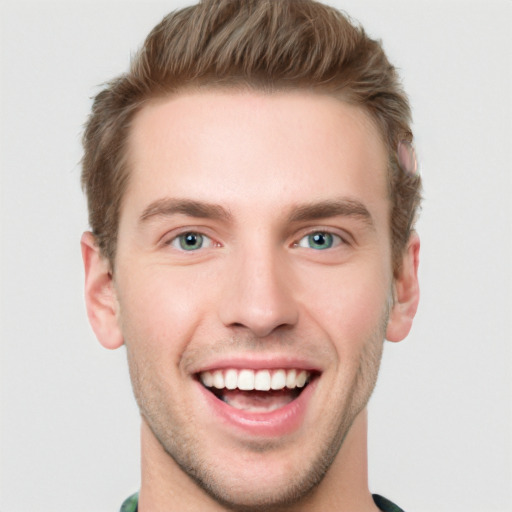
{"points": [[441, 428]]}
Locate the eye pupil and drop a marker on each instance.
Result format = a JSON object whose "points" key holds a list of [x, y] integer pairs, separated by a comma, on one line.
{"points": [[190, 241], [320, 240]]}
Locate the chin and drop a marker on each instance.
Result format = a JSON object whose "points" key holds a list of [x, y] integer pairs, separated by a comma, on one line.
{"points": [[264, 475], [257, 492]]}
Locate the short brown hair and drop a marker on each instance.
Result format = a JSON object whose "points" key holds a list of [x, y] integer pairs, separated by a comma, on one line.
{"points": [[267, 45]]}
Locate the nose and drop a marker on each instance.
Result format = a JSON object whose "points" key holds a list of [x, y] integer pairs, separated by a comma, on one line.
{"points": [[258, 296]]}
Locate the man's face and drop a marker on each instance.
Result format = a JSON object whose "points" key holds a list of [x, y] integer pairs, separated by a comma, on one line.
{"points": [[254, 244]]}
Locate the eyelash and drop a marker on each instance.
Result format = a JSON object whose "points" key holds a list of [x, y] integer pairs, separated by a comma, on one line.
{"points": [[335, 240], [305, 241], [177, 242]]}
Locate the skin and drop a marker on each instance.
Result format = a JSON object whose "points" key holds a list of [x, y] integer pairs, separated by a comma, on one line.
{"points": [[255, 289]]}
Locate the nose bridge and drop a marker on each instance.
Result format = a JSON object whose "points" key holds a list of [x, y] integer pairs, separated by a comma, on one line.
{"points": [[259, 294]]}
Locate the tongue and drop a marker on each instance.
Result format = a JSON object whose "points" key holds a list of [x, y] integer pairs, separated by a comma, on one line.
{"points": [[258, 401]]}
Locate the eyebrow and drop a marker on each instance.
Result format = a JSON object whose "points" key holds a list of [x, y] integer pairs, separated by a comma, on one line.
{"points": [[332, 208], [169, 206]]}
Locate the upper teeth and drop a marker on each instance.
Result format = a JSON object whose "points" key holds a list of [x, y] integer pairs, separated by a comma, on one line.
{"points": [[260, 380]]}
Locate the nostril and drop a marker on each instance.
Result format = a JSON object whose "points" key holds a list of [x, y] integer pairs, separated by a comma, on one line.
{"points": [[262, 327]]}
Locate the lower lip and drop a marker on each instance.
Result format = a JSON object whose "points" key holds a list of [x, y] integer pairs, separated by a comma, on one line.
{"points": [[279, 422]]}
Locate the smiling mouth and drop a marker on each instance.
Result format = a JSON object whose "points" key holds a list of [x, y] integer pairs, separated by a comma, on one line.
{"points": [[256, 390]]}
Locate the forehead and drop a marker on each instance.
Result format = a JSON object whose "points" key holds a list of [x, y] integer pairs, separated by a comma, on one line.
{"points": [[252, 149]]}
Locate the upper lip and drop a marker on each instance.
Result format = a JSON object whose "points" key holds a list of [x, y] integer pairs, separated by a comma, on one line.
{"points": [[258, 363]]}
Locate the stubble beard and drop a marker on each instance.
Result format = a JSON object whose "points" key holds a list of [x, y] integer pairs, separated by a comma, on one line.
{"points": [[177, 439]]}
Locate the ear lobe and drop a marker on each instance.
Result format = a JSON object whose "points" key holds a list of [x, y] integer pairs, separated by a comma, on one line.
{"points": [[100, 299], [407, 293]]}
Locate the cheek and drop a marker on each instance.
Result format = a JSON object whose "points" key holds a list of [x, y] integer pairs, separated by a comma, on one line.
{"points": [[162, 309], [352, 304]]}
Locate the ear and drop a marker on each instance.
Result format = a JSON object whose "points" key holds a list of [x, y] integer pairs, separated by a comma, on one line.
{"points": [[100, 298], [406, 293]]}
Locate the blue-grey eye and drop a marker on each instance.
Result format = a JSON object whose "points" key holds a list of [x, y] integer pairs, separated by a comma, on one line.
{"points": [[319, 240], [191, 241]]}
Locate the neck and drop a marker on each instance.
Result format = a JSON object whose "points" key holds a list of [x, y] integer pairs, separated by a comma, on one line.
{"points": [[165, 487]]}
